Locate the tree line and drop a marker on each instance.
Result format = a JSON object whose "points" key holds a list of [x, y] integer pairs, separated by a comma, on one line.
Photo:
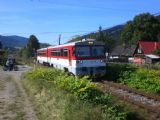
{"points": [[143, 27]]}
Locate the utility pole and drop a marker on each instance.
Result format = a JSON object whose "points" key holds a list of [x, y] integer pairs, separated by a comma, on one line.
{"points": [[59, 39]]}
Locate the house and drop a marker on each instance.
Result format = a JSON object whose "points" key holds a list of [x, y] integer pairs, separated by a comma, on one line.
{"points": [[122, 53], [144, 52]]}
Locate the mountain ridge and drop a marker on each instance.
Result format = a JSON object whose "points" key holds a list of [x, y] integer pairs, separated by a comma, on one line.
{"points": [[13, 41]]}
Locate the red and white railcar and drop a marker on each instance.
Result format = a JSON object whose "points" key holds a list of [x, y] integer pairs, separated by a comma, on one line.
{"points": [[80, 58]]}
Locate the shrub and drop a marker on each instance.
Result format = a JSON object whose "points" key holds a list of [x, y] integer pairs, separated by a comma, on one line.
{"points": [[114, 71], [147, 80]]}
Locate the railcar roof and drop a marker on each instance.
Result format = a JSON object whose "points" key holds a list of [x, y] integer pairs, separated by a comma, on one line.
{"points": [[86, 42], [83, 42], [42, 49]]}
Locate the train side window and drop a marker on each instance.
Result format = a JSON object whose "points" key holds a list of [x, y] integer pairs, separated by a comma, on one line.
{"points": [[53, 53], [65, 52], [61, 52], [41, 53], [58, 53]]}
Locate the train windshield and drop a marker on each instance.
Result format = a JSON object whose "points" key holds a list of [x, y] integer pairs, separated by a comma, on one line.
{"points": [[97, 51], [83, 51], [87, 51]]}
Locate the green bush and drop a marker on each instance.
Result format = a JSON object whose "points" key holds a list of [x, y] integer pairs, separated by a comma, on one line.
{"points": [[46, 80], [147, 80], [114, 70]]}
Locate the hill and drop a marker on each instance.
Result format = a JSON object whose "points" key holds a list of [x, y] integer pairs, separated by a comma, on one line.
{"points": [[13, 41], [113, 32]]}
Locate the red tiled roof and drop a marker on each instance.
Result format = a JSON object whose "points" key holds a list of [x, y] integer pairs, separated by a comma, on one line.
{"points": [[149, 47]]}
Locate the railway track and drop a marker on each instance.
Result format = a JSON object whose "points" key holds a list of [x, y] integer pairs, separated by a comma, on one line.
{"points": [[147, 101]]}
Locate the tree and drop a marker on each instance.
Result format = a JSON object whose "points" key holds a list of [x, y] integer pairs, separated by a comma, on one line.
{"points": [[32, 46], [104, 37], [143, 27], [127, 33], [1, 46]]}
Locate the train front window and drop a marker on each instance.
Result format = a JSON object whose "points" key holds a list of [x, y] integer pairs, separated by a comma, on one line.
{"points": [[97, 51], [83, 51]]}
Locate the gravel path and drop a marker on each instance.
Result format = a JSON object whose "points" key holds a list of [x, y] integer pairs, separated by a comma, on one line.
{"points": [[14, 104]]}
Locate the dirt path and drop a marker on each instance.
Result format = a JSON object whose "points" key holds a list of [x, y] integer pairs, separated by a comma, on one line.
{"points": [[14, 104]]}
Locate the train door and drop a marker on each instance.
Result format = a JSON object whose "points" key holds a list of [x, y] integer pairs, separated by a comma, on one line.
{"points": [[69, 57]]}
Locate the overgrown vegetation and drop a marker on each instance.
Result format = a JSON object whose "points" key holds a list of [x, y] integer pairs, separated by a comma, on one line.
{"points": [[114, 70], [59, 96], [136, 77], [143, 79]]}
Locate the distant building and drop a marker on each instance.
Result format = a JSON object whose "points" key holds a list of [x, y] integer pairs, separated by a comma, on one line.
{"points": [[144, 52], [122, 53]]}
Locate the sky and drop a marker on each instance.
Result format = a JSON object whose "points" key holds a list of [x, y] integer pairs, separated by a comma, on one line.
{"points": [[47, 19]]}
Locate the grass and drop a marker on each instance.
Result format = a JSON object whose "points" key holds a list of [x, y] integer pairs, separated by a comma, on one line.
{"points": [[2, 82], [59, 104], [12, 107], [8, 78], [19, 116], [58, 96], [15, 108], [2, 85], [56, 105]]}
